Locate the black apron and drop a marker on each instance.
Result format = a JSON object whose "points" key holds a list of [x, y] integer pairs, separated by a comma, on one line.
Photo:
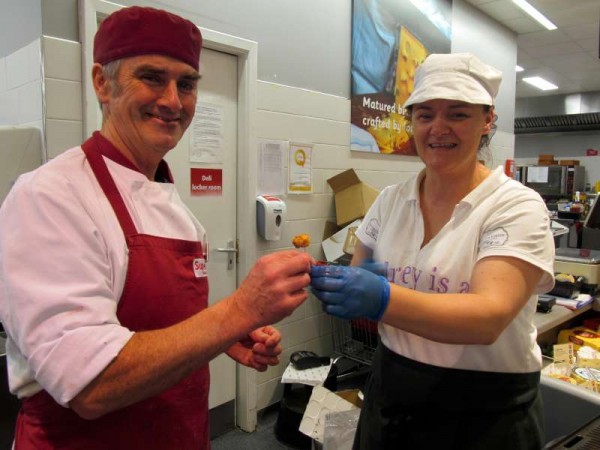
{"points": [[416, 406]]}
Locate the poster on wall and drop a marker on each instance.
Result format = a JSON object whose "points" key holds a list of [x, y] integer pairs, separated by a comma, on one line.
{"points": [[389, 40], [300, 168]]}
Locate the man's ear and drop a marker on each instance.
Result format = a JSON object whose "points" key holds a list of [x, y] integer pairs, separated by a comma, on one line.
{"points": [[102, 85]]}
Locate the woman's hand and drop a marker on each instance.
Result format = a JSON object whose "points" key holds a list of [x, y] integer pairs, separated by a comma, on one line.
{"points": [[350, 292]]}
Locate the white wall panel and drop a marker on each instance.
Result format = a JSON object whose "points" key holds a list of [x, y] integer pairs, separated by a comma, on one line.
{"points": [[285, 99], [8, 111], [273, 125], [305, 207], [3, 80], [29, 104], [62, 135], [63, 99], [17, 68], [62, 59]]}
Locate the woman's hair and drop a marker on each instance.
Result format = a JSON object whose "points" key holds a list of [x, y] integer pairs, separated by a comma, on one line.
{"points": [[484, 143]]}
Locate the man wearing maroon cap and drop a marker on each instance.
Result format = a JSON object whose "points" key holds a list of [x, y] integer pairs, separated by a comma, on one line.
{"points": [[103, 285]]}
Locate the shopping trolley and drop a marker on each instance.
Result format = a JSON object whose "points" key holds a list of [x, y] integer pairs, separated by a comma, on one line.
{"points": [[355, 339], [354, 344]]}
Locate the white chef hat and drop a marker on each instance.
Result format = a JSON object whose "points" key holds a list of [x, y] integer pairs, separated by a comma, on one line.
{"points": [[455, 76]]}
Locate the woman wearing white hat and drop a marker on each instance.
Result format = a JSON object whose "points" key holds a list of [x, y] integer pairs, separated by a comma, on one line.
{"points": [[465, 250]]}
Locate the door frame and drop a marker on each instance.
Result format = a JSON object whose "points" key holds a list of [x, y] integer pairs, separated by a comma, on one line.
{"points": [[246, 52]]}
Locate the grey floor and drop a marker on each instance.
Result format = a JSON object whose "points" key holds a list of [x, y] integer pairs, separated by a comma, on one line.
{"points": [[262, 438]]}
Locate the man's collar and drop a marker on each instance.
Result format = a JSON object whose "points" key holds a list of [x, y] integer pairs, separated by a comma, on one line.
{"points": [[163, 173]]}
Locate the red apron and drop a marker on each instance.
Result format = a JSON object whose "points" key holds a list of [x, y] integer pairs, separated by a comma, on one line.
{"points": [[160, 290]]}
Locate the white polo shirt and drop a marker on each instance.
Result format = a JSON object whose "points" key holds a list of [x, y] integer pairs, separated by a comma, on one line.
{"points": [[501, 217], [63, 262]]}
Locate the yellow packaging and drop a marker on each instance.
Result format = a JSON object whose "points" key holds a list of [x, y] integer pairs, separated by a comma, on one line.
{"points": [[587, 377], [587, 362], [564, 353], [579, 337], [563, 378]]}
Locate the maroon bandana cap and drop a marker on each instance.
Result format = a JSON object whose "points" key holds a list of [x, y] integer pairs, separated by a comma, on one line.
{"points": [[138, 31]]}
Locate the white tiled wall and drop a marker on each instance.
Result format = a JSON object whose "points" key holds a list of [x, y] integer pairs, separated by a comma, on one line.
{"points": [[63, 94], [44, 75], [21, 87]]}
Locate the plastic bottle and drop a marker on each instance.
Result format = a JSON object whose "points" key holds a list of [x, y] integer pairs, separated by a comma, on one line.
{"points": [[576, 205]]}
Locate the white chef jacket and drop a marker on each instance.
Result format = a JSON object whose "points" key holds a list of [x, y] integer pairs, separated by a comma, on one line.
{"points": [[63, 263], [500, 217]]}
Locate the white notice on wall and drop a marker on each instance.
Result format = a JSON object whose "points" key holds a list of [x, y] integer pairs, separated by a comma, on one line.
{"points": [[207, 134], [270, 167], [537, 174]]}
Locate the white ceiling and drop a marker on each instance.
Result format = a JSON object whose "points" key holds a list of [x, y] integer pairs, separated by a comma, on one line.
{"points": [[567, 56]]}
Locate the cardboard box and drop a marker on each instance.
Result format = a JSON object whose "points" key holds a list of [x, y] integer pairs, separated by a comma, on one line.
{"points": [[546, 160], [352, 197], [333, 247], [330, 229], [351, 395], [568, 162]]}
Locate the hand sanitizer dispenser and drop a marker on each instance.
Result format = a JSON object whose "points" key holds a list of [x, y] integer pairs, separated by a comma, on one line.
{"points": [[270, 214]]}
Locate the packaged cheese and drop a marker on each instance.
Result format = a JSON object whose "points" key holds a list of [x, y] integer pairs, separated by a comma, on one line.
{"points": [[579, 337]]}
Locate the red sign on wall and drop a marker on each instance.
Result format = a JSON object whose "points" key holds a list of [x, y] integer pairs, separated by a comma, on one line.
{"points": [[206, 182]]}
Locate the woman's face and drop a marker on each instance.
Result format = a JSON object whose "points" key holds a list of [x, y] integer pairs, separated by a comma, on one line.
{"points": [[447, 133]]}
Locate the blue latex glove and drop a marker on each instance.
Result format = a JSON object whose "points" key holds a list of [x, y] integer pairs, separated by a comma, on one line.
{"points": [[377, 268], [350, 292]]}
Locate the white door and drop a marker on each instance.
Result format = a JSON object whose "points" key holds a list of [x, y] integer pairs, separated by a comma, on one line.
{"points": [[217, 213]]}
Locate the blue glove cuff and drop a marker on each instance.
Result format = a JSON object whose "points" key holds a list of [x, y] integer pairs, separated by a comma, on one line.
{"points": [[385, 299]]}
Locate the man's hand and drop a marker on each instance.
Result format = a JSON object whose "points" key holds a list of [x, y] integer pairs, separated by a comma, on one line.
{"points": [[259, 350], [350, 292], [274, 288]]}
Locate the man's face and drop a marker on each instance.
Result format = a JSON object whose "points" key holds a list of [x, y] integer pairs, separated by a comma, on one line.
{"points": [[150, 104]]}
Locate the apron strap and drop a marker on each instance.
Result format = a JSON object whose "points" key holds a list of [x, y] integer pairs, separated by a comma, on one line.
{"points": [[94, 157]]}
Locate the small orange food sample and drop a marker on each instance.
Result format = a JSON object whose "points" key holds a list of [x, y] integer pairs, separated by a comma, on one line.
{"points": [[301, 240]]}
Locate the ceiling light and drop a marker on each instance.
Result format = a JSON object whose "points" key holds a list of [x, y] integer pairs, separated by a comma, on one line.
{"points": [[519, 69], [534, 13], [540, 83]]}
